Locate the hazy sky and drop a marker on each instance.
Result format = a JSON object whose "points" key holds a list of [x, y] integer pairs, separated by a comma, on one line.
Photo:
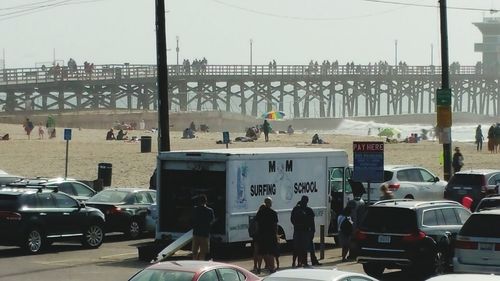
{"points": [[290, 31]]}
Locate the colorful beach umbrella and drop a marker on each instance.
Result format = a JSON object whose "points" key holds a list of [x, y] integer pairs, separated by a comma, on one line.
{"points": [[389, 132], [274, 115]]}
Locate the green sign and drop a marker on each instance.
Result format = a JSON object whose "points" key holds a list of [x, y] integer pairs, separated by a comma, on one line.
{"points": [[443, 97]]}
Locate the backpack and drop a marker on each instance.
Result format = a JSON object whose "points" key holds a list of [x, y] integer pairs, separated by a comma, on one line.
{"points": [[253, 227], [346, 226]]}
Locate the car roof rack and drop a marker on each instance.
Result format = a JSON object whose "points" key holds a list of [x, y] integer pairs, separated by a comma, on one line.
{"points": [[395, 201], [437, 202]]}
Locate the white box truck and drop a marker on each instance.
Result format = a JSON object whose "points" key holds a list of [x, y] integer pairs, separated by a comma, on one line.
{"points": [[236, 182]]}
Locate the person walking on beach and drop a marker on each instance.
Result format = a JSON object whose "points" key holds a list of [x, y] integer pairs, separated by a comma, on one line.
{"points": [[28, 127], [267, 221], [266, 127], [479, 138], [203, 218], [253, 232], [458, 160]]}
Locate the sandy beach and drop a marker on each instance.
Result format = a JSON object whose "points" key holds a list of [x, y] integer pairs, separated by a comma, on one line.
{"points": [[131, 168]]}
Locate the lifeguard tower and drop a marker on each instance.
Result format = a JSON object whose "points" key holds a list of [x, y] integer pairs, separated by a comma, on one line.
{"points": [[490, 47]]}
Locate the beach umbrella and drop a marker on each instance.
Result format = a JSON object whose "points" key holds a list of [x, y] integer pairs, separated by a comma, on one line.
{"points": [[389, 132], [274, 115]]}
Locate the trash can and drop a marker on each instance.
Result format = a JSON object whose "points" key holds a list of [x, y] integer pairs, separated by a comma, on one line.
{"points": [[145, 144], [104, 171]]}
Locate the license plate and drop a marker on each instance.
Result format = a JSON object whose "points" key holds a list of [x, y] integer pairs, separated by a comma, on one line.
{"points": [[462, 191], [486, 246], [384, 239]]}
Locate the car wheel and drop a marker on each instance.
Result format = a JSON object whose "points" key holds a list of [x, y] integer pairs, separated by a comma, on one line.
{"points": [[373, 269], [34, 241], [93, 236], [134, 230]]}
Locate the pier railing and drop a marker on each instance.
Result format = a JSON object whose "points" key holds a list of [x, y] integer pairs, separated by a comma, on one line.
{"points": [[129, 71]]}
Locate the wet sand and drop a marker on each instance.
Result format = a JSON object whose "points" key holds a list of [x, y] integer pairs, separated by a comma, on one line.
{"points": [[131, 168]]}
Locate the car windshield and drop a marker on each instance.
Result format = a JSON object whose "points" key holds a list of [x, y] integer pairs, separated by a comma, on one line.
{"points": [[109, 196], [465, 180], [488, 204], [390, 219], [167, 275], [474, 226]]}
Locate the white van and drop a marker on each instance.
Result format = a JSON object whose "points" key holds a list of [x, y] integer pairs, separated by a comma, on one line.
{"points": [[236, 182]]}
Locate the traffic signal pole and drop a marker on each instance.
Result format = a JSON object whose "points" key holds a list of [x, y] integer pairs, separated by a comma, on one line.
{"points": [[443, 97]]}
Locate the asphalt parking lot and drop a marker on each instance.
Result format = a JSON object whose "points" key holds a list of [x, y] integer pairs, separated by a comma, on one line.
{"points": [[117, 259]]}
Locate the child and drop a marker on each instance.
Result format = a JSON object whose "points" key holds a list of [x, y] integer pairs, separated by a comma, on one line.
{"points": [[41, 132]]}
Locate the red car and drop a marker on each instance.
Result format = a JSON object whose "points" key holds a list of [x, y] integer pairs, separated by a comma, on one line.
{"points": [[191, 270]]}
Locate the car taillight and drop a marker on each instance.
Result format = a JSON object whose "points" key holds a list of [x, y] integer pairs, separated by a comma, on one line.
{"points": [[360, 235], [10, 216], [467, 245], [394, 186], [497, 247], [417, 236], [115, 210]]}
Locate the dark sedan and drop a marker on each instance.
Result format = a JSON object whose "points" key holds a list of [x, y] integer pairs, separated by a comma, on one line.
{"points": [[125, 209]]}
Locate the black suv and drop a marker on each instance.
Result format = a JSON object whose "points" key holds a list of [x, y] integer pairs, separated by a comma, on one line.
{"points": [[407, 234], [476, 184], [34, 218], [76, 189]]}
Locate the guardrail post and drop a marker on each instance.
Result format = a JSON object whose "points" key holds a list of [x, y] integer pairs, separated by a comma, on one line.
{"points": [[321, 241]]}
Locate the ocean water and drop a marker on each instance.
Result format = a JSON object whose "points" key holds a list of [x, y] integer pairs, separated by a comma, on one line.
{"points": [[461, 133]]}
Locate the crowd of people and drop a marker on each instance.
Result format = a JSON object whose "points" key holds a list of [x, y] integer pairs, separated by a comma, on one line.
{"points": [[195, 67]]}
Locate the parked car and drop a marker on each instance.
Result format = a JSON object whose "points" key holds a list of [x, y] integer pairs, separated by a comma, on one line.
{"points": [[477, 248], [465, 277], [317, 275], [76, 189], [408, 234], [410, 182], [488, 203], [125, 209], [473, 183], [188, 270], [6, 178], [34, 218]]}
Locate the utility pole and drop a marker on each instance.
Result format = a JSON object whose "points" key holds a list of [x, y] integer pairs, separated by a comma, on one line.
{"points": [[443, 96], [251, 55], [3, 58], [161, 61]]}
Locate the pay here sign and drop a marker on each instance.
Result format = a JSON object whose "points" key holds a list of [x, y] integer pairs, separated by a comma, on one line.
{"points": [[368, 161]]}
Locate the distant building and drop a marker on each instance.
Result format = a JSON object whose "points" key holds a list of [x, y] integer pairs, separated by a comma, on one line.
{"points": [[490, 28]]}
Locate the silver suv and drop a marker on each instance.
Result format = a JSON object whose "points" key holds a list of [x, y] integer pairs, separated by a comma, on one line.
{"points": [[409, 182]]}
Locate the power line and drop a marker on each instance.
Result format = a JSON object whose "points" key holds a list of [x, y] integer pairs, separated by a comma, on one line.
{"points": [[254, 11], [40, 8], [26, 5], [431, 6]]}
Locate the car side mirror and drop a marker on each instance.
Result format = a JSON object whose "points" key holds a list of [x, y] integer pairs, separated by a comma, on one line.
{"points": [[81, 205], [436, 179]]}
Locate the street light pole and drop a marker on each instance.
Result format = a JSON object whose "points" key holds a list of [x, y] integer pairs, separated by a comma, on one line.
{"points": [[432, 54], [395, 52], [177, 48], [251, 52]]}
